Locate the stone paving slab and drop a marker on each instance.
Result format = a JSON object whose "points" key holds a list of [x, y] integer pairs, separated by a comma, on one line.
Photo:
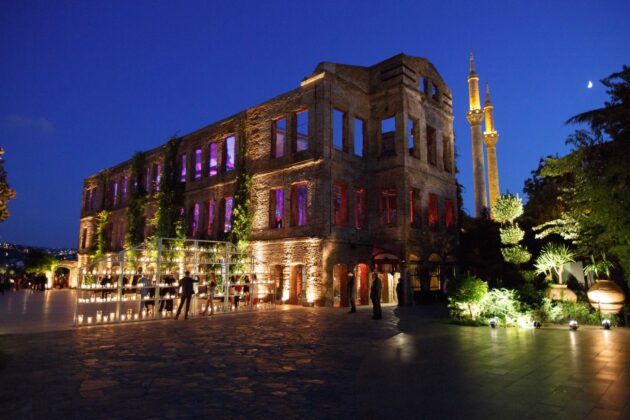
{"points": [[315, 363]]}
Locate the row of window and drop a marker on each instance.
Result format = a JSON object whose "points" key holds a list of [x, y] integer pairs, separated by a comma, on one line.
{"points": [[211, 159]]}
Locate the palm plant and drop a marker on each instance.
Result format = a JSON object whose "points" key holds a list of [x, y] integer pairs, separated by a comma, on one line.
{"points": [[599, 269], [552, 258]]}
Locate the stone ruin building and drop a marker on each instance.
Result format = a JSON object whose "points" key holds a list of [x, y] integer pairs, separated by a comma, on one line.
{"points": [[352, 171]]}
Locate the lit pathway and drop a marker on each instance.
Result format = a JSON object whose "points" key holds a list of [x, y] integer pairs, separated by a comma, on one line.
{"points": [[315, 363], [26, 311]]}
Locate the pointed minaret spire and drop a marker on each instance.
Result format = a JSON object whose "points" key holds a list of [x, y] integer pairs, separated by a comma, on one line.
{"points": [[475, 117], [490, 138]]}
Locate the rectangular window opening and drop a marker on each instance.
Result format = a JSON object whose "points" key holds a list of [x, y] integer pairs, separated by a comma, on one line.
{"points": [[433, 213], [388, 136], [210, 217], [415, 214], [213, 162], [277, 209], [279, 136], [299, 204], [123, 189], [302, 130], [339, 118], [227, 222], [435, 92], [431, 146], [197, 163], [340, 203], [230, 153], [388, 207], [449, 216], [182, 174], [411, 136], [359, 208], [359, 136], [195, 220], [446, 154]]}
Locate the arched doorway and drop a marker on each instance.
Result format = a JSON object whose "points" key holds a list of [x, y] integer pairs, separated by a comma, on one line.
{"points": [[388, 269], [363, 284], [297, 290], [340, 285], [276, 273], [61, 277]]}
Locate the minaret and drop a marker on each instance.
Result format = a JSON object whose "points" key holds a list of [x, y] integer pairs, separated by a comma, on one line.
{"points": [[474, 117], [490, 137]]}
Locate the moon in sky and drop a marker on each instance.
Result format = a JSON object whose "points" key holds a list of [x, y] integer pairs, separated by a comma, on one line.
{"points": [[590, 84]]}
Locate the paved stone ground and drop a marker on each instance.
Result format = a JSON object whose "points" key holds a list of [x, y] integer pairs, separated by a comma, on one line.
{"points": [[315, 363]]}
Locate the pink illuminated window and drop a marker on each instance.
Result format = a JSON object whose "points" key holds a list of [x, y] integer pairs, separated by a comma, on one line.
{"points": [[433, 213], [230, 153], [182, 176], [299, 204], [195, 221], [388, 206], [359, 208], [147, 180], [227, 222], [449, 215], [210, 217], [213, 162], [197, 163], [277, 209], [340, 203]]}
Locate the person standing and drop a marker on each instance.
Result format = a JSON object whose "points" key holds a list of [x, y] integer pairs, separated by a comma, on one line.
{"points": [[352, 293], [186, 283], [399, 291], [375, 296], [210, 303]]}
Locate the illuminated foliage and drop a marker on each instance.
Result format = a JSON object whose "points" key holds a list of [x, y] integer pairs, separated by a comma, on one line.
{"points": [[102, 221], [516, 254], [136, 204], [511, 235], [6, 193], [552, 258], [170, 197], [468, 297], [507, 208]]}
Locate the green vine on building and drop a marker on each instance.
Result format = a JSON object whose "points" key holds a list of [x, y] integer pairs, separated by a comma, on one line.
{"points": [[102, 221], [134, 234], [242, 217], [169, 216]]}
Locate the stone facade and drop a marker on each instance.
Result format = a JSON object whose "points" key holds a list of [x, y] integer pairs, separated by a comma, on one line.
{"points": [[360, 201]]}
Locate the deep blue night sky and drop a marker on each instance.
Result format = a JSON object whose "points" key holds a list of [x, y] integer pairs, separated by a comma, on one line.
{"points": [[85, 84]]}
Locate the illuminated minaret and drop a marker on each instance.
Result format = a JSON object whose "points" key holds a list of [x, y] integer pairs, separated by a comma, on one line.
{"points": [[490, 137], [474, 117]]}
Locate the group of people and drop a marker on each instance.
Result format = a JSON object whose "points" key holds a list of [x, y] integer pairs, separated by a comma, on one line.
{"points": [[35, 282], [375, 295]]}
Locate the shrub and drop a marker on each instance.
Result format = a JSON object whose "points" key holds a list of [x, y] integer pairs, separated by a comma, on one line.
{"points": [[468, 297], [516, 254], [511, 235]]}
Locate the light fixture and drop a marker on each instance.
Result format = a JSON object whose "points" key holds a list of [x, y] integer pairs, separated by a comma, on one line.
{"points": [[606, 324], [573, 324]]}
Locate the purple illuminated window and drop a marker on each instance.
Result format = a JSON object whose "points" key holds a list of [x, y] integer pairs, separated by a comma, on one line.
{"points": [[213, 162], [123, 187], [197, 163], [227, 223], [182, 176], [277, 208], [156, 176], [230, 156], [115, 193], [299, 204], [195, 221], [147, 180], [210, 223]]}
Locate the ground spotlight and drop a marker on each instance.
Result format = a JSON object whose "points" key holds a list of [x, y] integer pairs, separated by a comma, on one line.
{"points": [[573, 324], [494, 321], [606, 324], [537, 324]]}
